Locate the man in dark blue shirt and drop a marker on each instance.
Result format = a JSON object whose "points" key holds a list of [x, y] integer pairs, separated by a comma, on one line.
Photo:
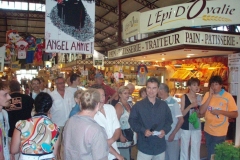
{"points": [[151, 118]]}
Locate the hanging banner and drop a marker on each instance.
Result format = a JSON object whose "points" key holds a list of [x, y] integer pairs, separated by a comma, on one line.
{"points": [[2, 56], [131, 26], [69, 26], [98, 59], [194, 14]]}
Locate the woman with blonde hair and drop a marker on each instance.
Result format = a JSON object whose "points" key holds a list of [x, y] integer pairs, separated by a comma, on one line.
{"points": [[83, 138], [123, 111], [77, 107]]}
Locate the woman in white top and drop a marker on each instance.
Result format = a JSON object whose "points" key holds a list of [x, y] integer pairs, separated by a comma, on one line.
{"points": [[123, 110]]}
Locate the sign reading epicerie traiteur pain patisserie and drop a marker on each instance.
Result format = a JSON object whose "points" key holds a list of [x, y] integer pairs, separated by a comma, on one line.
{"points": [[184, 37], [198, 13], [69, 26]]}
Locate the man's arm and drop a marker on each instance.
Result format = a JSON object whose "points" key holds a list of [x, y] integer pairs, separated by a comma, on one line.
{"points": [[115, 136], [112, 97], [176, 129], [115, 153], [204, 106], [229, 114]]}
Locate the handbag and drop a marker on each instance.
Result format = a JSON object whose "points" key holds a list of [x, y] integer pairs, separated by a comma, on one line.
{"points": [[128, 134]]}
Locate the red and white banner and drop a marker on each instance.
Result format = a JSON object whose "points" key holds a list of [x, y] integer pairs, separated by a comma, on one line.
{"points": [[69, 26]]}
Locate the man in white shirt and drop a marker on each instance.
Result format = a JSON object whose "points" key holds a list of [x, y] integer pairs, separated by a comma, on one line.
{"points": [[107, 118], [43, 86], [35, 83], [61, 103], [172, 138], [61, 106], [75, 81]]}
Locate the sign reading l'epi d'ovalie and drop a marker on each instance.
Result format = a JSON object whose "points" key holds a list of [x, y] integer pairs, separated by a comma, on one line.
{"points": [[194, 14]]}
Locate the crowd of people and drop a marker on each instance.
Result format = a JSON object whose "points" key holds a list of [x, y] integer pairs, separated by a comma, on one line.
{"points": [[101, 123]]}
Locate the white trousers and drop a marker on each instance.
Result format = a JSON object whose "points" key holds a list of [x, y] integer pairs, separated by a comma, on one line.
{"points": [[43, 157], [195, 137], [143, 156]]}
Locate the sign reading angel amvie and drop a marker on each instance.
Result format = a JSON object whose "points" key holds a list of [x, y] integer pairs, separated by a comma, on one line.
{"points": [[69, 26]]}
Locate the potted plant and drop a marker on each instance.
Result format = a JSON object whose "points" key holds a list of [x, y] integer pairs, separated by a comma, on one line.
{"points": [[226, 151]]}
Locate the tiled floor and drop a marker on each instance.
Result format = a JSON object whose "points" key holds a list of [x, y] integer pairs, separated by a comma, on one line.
{"points": [[203, 152]]}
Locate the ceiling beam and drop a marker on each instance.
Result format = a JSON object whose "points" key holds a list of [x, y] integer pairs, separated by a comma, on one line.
{"points": [[24, 32], [104, 44], [115, 9], [111, 8], [147, 4], [21, 26], [22, 14], [113, 37], [104, 21]]}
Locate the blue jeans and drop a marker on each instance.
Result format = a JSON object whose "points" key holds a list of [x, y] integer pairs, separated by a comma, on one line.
{"points": [[211, 142]]}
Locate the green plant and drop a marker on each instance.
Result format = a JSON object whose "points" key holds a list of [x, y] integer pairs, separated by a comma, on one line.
{"points": [[226, 151]]}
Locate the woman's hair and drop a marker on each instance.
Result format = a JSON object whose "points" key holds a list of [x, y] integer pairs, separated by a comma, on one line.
{"points": [[122, 89], [77, 93], [14, 86], [143, 89], [192, 81], [89, 99], [43, 102]]}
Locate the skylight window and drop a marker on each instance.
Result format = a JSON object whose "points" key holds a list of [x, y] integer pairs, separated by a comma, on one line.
{"points": [[32, 6], [22, 6], [18, 5]]}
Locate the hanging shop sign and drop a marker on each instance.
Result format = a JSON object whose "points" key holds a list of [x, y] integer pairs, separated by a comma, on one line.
{"points": [[98, 59], [184, 37], [69, 26], [194, 14], [131, 25]]}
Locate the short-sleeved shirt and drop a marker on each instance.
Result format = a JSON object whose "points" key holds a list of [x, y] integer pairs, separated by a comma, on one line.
{"points": [[74, 110], [19, 113], [84, 139], [108, 91], [176, 113], [110, 123], [61, 107], [22, 52], [217, 125], [38, 135]]}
